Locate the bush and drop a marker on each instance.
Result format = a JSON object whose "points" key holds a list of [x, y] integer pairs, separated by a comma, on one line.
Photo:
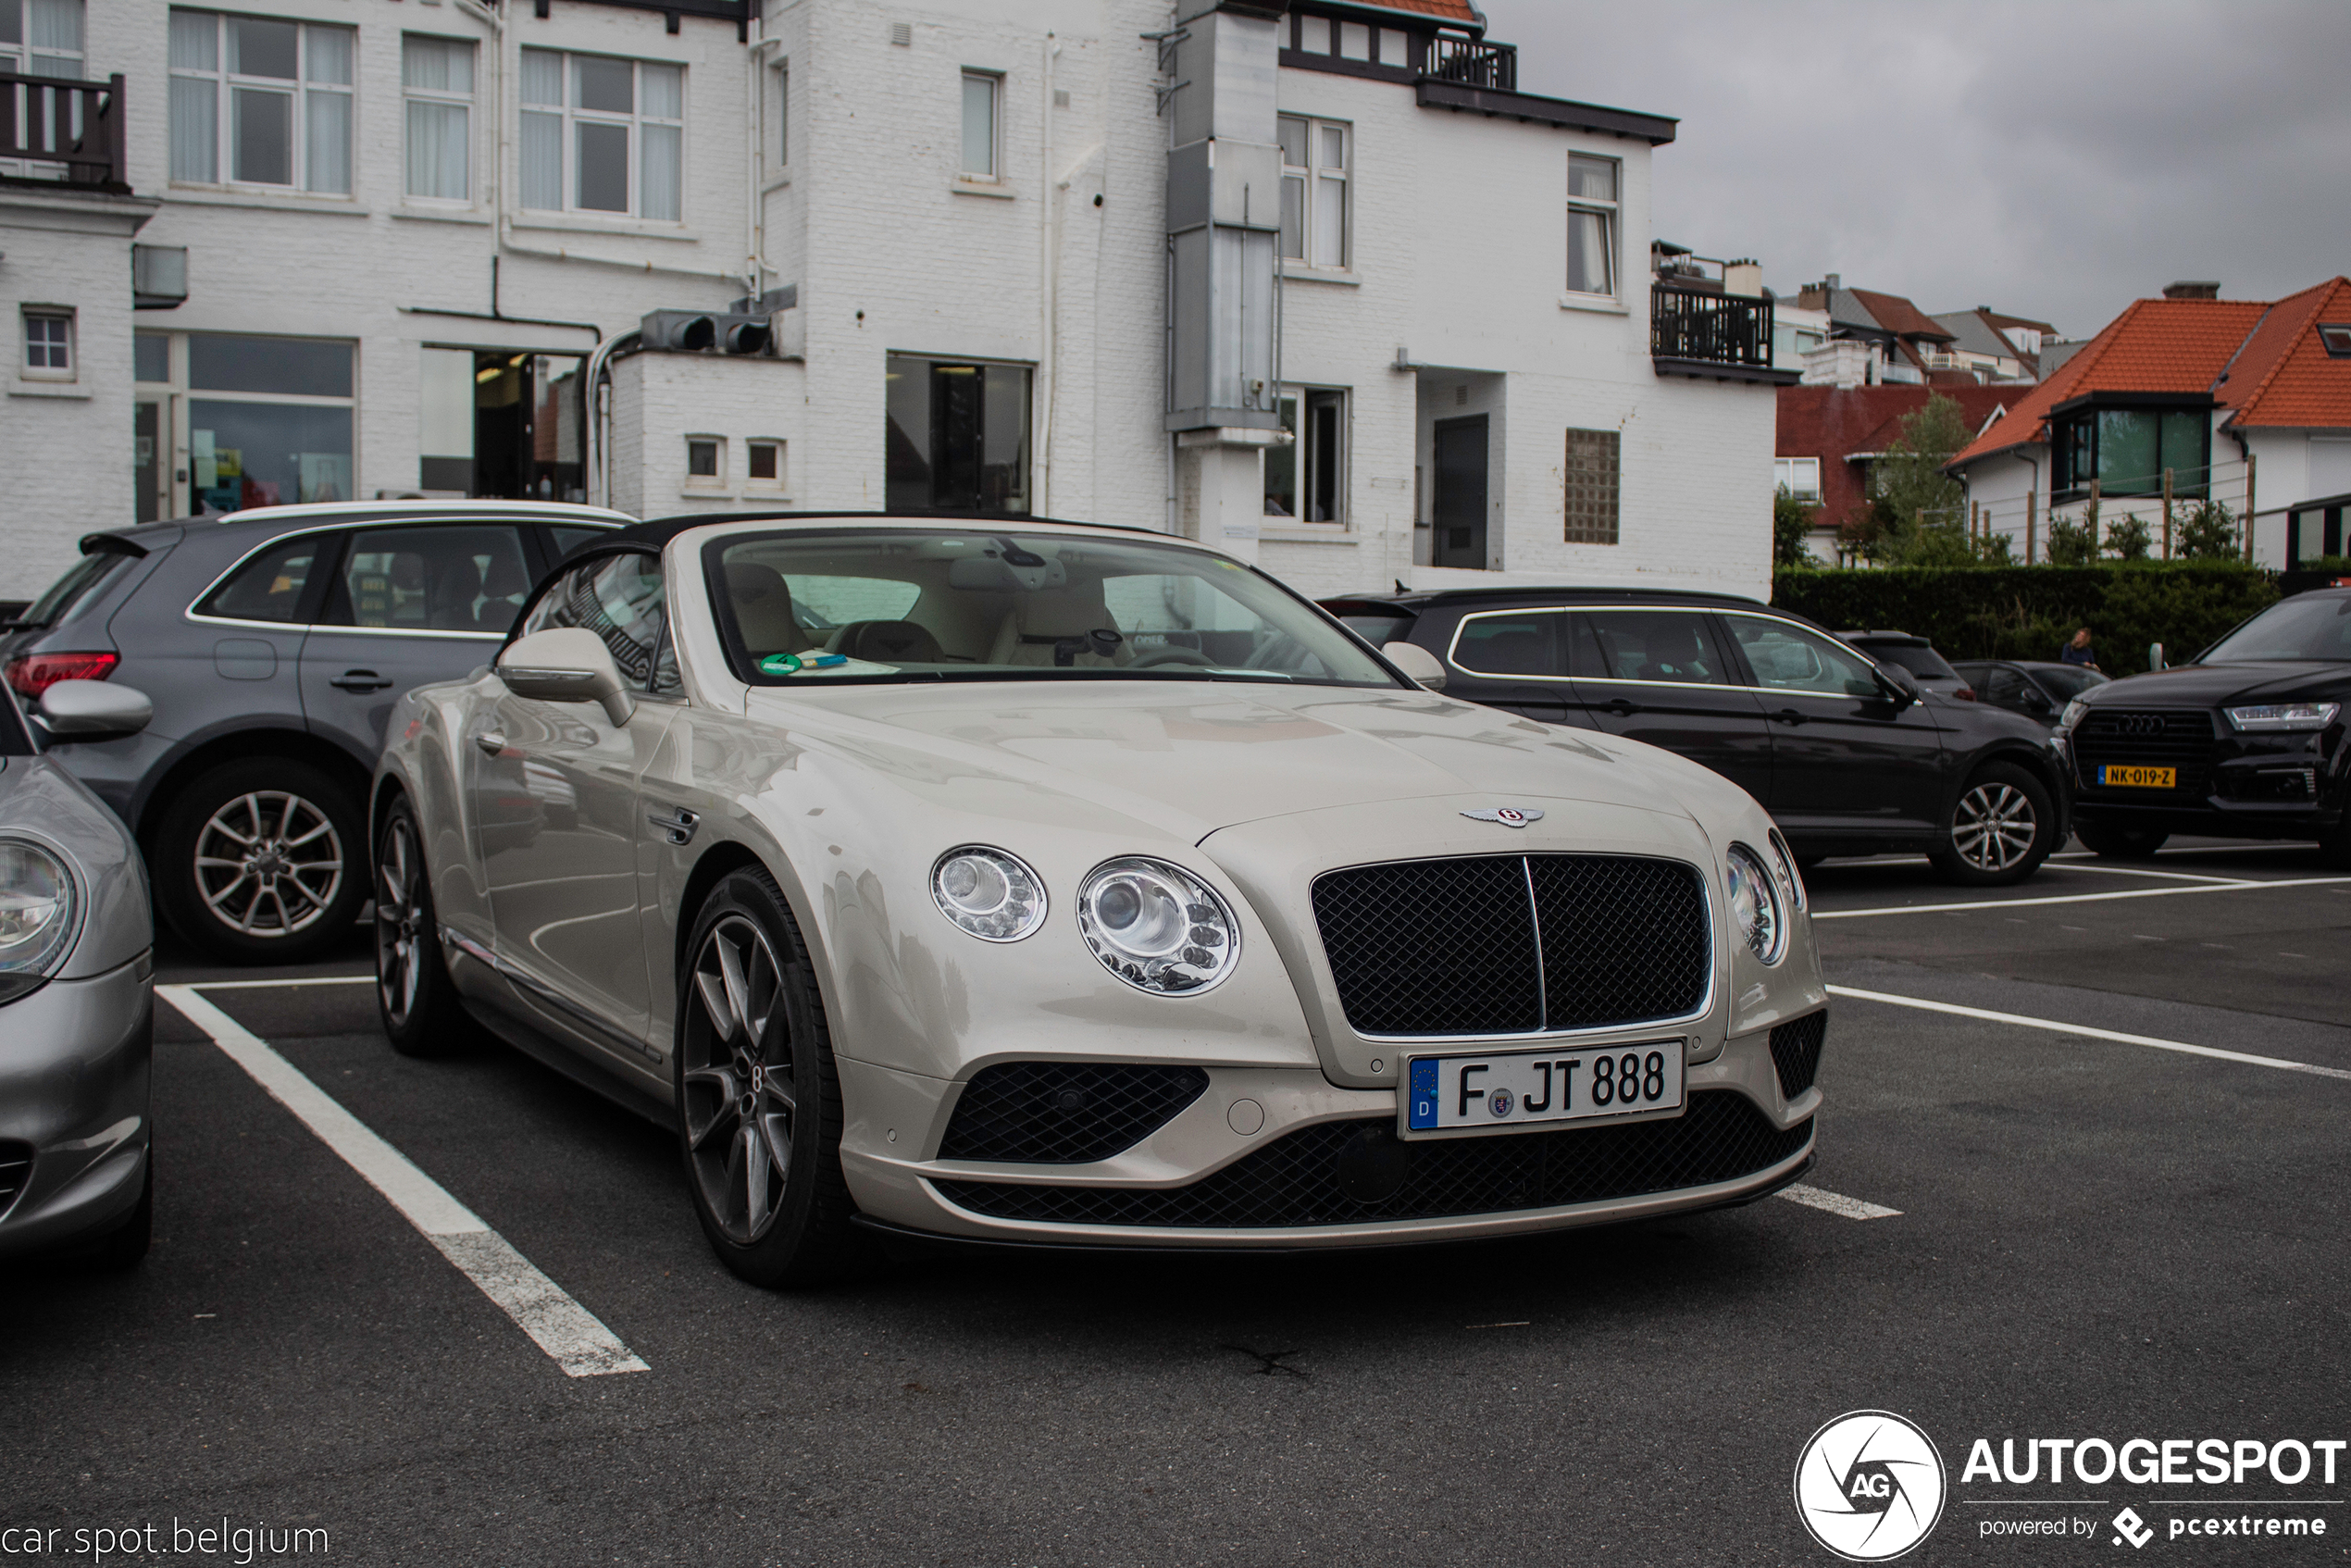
{"points": [[1791, 528], [2208, 532], [2027, 611], [2128, 538], [2071, 542]]}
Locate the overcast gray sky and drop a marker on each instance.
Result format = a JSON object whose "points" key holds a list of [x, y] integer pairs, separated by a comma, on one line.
{"points": [[2056, 159]]}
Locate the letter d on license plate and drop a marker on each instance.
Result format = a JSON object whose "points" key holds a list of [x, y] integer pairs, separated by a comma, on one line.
{"points": [[1497, 1089]]}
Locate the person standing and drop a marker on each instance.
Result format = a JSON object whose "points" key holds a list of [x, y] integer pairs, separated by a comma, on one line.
{"points": [[2078, 650]]}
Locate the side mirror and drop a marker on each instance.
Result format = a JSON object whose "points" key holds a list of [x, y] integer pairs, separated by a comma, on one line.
{"points": [[1898, 684], [1418, 663], [2155, 655], [568, 663], [94, 709]]}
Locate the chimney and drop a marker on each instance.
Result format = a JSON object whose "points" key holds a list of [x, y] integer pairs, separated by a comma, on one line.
{"points": [[1833, 281], [2192, 290]]}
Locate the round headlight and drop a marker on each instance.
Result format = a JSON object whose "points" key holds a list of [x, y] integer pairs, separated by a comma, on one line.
{"points": [[36, 914], [994, 895], [1157, 926], [1757, 909]]}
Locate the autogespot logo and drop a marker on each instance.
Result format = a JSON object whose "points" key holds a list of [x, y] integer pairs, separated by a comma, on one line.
{"points": [[1869, 1486]]}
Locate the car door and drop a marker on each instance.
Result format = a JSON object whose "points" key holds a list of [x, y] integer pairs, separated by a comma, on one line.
{"points": [[405, 607], [554, 788], [250, 631], [1665, 677], [1515, 660], [1845, 755]]}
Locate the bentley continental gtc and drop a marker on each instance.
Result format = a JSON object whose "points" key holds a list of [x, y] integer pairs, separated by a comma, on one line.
{"points": [[1004, 881]]}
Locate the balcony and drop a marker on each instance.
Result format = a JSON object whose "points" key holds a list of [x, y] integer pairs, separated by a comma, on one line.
{"points": [[55, 132], [1713, 337], [1472, 62]]}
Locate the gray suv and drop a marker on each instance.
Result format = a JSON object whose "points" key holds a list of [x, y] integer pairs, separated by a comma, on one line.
{"points": [[273, 643]]}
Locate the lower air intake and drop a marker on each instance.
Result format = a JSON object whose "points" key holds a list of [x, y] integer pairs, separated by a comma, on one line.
{"points": [[1796, 1051], [1066, 1113]]}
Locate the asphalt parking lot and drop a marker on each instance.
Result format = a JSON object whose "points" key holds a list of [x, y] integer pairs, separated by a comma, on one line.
{"points": [[2078, 1177]]}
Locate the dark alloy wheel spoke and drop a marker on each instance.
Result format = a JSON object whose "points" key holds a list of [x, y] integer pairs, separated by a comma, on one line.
{"points": [[735, 1078]]}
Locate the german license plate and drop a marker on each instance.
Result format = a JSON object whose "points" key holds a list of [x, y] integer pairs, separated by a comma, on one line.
{"points": [[2116, 776], [1496, 1090]]}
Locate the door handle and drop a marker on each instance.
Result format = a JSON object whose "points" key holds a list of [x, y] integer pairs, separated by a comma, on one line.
{"points": [[679, 826], [1787, 715], [491, 741], [360, 680], [1622, 706]]}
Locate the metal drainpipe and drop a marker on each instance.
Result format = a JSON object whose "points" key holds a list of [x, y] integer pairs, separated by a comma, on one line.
{"points": [[1045, 280], [755, 206]]}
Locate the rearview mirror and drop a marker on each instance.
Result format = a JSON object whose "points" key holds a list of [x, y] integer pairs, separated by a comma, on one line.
{"points": [[94, 709], [1417, 663], [567, 663]]}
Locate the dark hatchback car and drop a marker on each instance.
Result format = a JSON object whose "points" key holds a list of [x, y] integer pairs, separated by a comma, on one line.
{"points": [[1849, 757], [2244, 741], [2035, 687], [1914, 654], [273, 643]]}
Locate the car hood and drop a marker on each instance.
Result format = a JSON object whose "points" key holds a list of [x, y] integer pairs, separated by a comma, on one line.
{"points": [[2205, 685], [1193, 756]]}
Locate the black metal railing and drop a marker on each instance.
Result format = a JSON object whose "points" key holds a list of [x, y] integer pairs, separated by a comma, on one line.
{"points": [[1473, 63], [1709, 328], [69, 130]]}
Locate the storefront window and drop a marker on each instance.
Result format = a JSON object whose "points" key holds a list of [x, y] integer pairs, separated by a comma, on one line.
{"points": [[269, 421], [958, 435]]}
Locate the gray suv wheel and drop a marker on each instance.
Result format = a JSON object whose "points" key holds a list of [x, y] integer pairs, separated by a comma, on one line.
{"points": [[262, 861]]}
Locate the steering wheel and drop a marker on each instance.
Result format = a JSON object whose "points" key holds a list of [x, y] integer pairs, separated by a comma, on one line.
{"points": [[1173, 655]]}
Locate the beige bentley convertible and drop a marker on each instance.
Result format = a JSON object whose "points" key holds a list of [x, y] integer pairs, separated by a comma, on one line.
{"points": [[1018, 881]]}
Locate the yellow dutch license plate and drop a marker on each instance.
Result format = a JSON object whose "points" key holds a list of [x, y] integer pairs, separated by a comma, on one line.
{"points": [[2114, 775]]}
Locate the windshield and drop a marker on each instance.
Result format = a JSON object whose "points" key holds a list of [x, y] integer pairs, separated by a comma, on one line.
{"points": [[2307, 627], [2068, 681], [923, 605], [71, 588]]}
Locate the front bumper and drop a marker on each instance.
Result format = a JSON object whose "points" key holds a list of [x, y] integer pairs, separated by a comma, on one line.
{"points": [[1323, 1169], [75, 1059]]}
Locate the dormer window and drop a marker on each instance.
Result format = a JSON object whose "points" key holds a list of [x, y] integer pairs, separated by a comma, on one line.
{"points": [[2336, 336]]}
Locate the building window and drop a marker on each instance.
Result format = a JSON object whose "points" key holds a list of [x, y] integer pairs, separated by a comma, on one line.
{"points": [[1591, 487], [783, 114], [2336, 336], [48, 345], [1307, 480], [258, 101], [437, 78], [1800, 477], [601, 134], [705, 461], [958, 435], [763, 463], [1591, 228], [981, 91], [2126, 451], [1315, 167], [42, 38], [268, 420], [151, 356]]}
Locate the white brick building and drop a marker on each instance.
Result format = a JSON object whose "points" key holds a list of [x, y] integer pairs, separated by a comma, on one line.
{"points": [[413, 230]]}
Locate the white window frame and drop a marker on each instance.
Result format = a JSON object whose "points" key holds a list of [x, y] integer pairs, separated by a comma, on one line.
{"points": [[71, 369], [1309, 181], [1787, 473], [768, 484], [300, 176], [1307, 458], [441, 96], [993, 81], [717, 478], [570, 117], [1611, 215], [28, 58]]}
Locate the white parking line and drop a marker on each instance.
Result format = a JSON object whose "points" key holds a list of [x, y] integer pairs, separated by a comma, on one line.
{"points": [[582, 1346], [1835, 1203], [2074, 898], [2169, 876], [2020, 1021], [273, 985]]}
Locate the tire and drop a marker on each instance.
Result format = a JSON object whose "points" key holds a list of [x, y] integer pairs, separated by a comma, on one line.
{"points": [[414, 995], [282, 872], [1999, 830], [2334, 848], [126, 1245], [2120, 843], [759, 1112]]}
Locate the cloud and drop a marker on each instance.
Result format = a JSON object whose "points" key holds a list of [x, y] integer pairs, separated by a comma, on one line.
{"points": [[2052, 160]]}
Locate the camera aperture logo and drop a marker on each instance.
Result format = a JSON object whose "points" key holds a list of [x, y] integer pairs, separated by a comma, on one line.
{"points": [[1870, 1485]]}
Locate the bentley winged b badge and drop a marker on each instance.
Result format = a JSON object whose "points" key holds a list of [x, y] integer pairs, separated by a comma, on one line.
{"points": [[1509, 816]]}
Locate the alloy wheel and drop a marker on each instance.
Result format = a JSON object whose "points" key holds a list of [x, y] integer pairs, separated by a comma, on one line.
{"points": [[402, 923], [736, 1075], [1994, 827], [269, 863]]}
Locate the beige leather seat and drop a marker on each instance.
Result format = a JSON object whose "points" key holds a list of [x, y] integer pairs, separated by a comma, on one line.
{"points": [[1040, 621], [762, 610]]}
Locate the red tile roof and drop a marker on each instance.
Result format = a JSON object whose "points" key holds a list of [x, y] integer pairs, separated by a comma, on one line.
{"points": [[2283, 376], [1450, 10], [1899, 316], [2155, 345], [1837, 424]]}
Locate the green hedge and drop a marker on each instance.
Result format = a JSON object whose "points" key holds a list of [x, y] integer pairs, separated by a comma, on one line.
{"points": [[2026, 612]]}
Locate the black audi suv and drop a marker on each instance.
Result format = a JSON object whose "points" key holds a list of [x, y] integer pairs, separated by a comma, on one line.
{"points": [[1849, 756], [2243, 741]]}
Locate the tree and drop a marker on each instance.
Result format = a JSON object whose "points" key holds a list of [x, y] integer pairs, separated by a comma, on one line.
{"points": [[2072, 542], [1791, 527], [2127, 538], [2208, 533], [1910, 484]]}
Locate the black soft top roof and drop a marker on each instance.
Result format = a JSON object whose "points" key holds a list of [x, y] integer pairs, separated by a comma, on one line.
{"points": [[655, 534]]}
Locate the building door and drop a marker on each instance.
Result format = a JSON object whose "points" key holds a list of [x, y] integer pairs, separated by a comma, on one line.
{"points": [[151, 457], [1458, 510]]}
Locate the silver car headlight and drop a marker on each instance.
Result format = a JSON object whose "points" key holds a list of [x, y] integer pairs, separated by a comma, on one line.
{"points": [[1784, 862], [37, 900], [2075, 711], [2283, 716], [1758, 909], [994, 895], [1157, 926]]}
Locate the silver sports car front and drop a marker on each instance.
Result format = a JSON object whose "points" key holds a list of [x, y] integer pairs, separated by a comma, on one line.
{"points": [[1030, 882]]}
